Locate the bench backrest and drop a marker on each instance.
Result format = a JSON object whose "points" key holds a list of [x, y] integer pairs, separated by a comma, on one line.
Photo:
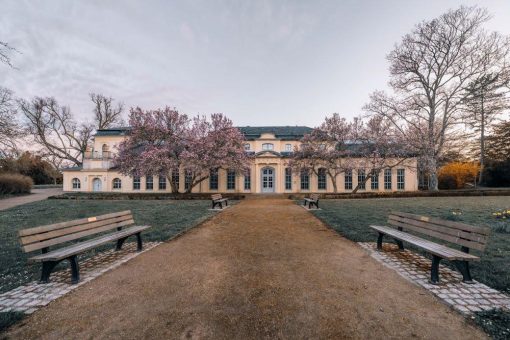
{"points": [[53, 234], [315, 197], [455, 232], [215, 197]]}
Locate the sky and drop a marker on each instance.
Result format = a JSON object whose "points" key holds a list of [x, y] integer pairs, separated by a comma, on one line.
{"points": [[259, 62]]}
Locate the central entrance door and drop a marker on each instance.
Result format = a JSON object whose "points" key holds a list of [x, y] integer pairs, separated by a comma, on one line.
{"points": [[96, 184], [267, 179]]}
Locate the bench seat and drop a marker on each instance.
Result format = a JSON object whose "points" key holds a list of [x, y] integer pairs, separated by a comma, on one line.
{"points": [[65, 252], [429, 246]]}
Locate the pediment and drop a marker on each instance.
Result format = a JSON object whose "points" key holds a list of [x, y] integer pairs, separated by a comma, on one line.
{"points": [[267, 153]]}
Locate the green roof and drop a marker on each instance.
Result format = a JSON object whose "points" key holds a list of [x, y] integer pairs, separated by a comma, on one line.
{"points": [[249, 132]]}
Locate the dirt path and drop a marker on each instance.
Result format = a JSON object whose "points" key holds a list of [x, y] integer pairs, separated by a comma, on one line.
{"points": [[36, 195], [261, 269]]}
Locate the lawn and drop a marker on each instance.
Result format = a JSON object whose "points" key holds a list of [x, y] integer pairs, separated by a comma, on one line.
{"points": [[167, 219], [351, 218]]}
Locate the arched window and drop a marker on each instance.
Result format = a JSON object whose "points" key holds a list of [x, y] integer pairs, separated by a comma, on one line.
{"points": [[117, 183], [105, 148], [288, 147], [76, 183], [267, 146]]}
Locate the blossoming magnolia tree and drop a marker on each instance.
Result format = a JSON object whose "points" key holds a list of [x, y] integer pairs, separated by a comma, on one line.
{"points": [[163, 141]]}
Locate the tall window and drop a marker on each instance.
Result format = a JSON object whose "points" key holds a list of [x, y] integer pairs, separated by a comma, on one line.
{"points": [[247, 180], [374, 180], [149, 182], [305, 180], [247, 147], [213, 179], [117, 183], [136, 183], [321, 179], [267, 146], [231, 179], [387, 179], [175, 178], [401, 179], [288, 147], [188, 177], [162, 182], [288, 179], [348, 180], [76, 183], [361, 179]]}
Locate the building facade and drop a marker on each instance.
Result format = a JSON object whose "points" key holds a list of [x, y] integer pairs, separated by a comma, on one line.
{"points": [[268, 173]]}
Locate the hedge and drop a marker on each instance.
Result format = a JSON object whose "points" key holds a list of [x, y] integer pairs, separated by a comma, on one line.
{"points": [[11, 184]]}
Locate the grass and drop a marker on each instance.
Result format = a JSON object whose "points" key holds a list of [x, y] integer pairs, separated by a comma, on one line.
{"points": [[167, 219], [351, 218]]}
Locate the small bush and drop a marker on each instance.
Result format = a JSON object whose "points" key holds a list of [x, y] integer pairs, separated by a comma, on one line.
{"points": [[15, 184]]}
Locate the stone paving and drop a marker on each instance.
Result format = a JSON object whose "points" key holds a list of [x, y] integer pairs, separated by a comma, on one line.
{"points": [[30, 297], [463, 297]]}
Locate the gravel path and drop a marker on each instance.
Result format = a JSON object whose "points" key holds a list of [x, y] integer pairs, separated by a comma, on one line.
{"points": [[261, 269], [36, 195]]}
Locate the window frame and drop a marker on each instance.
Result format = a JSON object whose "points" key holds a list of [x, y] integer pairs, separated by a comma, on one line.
{"points": [[116, 181], [388, 179], [247, 179], [247, 147], [322, 179], [348, 180], [374, 184], [162, 180], [304, 177], [188, 178], [288, 147], [176, 177], [265, 147], [288, 178], [401, 179], [362, 176], [213, 179], [151, 182], [231, 179], [137, 183], [76, 183]]}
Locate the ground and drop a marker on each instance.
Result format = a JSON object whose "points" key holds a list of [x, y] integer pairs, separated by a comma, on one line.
{"points": [[36, 195], [351, 218], [167, 218], [261, 269]]}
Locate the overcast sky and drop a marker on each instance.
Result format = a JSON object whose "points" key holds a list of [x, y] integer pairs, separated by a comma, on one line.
{"points": [[259, 62]]}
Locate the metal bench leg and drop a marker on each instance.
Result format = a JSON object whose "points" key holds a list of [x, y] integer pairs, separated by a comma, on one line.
{"points": [[139, 245], [400, 244], [434, 271], [75, 270], [47, 268], [120, 242], [463, 267], [379, 241]]}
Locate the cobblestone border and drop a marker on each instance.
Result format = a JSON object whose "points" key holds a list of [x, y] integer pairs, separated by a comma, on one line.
{"points": [[28, 298], [464, 298]]}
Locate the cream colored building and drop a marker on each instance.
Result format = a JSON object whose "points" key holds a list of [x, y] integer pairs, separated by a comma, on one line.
{"points": [[271, 145]]}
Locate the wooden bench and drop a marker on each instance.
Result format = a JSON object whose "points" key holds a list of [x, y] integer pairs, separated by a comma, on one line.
{"points": [[312, 200], [44, 237], [217, 199], [467, 236]]}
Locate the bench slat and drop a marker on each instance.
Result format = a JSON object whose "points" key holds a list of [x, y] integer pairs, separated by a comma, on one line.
{"points": [[436, 232], [51, 227], [71, 237], [450, 224], [65, 252], [432, 247], [71, 230]]}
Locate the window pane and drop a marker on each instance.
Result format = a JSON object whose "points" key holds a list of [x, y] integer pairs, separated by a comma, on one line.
{"points": [[231, 180], [321, 179], [387, 179], [400, 179], [136, 183], [361, 179], [213, 180], [288, 179], [149, 183], [162, 182], [348, 180], [374, 181], [305, 180]]}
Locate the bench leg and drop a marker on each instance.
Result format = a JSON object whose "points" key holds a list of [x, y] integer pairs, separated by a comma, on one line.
{"points": [[75, 269], [400, 244], [47, 268], [463, 267], [226, 203], [379, 241], [139, 245], [120, 242], [434, 271]]}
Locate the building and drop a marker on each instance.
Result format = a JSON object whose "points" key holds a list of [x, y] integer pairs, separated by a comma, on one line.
{"points": [[271, 146]]}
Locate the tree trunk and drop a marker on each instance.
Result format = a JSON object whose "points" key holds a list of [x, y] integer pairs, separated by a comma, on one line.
{"points": [[364, 182], [482, 143]]}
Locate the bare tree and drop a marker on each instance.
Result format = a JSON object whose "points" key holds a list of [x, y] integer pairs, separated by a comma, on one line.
{"points": [[429, 70], [5, 49], [10, 130], [106, 114], [53, 127]]}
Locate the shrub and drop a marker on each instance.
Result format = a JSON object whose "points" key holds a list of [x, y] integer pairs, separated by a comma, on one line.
{"points": [[459, 173], [15, 184]]}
